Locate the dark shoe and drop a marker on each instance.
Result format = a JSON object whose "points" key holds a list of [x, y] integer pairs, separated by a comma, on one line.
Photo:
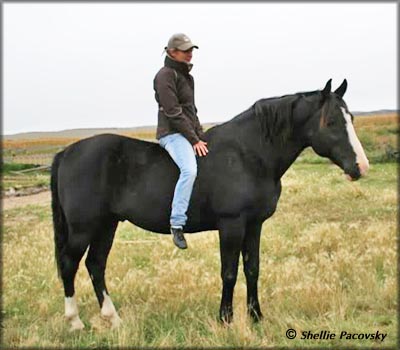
{"points": [[178, 238]]}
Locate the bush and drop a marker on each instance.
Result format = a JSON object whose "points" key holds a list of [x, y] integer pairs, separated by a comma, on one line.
{"points": [[389, 155], [8, 167]]}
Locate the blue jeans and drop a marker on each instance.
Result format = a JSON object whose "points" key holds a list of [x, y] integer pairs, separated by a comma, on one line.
{"points": [[182, 152]]}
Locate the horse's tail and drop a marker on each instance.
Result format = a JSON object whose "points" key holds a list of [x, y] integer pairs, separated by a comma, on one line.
{"points": [[59, 222]]}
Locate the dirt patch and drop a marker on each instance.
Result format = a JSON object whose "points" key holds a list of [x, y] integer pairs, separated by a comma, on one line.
{"points": [[42, 198], [13, 192]]}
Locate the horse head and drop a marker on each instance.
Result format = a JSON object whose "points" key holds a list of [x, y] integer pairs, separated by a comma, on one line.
{"points": [[332, 134]]}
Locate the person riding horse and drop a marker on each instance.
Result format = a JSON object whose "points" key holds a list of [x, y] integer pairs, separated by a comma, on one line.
{"points": [[179, 131]]}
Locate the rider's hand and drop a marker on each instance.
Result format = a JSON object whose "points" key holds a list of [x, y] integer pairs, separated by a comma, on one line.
{"points": [[200, 148]]}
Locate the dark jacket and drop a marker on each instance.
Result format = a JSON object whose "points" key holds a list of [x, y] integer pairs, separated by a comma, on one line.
{"points": [[174, 92]]}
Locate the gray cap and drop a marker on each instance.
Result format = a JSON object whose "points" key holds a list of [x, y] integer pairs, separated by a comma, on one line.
{"points": [[181, 42]]}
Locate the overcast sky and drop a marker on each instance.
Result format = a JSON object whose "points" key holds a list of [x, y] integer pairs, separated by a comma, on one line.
{"points": [[91, 65]]}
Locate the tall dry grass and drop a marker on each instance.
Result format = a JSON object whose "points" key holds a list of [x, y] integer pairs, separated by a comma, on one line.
{"points": [[328, 262], [31, 143]]}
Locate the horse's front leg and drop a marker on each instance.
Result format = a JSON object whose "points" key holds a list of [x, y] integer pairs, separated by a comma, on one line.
{"points": [[231, 233], [251, 261]]}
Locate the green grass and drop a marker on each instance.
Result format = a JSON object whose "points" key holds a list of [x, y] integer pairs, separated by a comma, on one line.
{"points": [[328, 262], [8, 168], [22, 181]]}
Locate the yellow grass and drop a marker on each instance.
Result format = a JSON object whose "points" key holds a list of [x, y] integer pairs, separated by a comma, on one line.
{"points": [[28, 143], [328, 262], [376, 120]]}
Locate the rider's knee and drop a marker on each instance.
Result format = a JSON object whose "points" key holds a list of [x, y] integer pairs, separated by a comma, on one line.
{"points": [[190, 172]]}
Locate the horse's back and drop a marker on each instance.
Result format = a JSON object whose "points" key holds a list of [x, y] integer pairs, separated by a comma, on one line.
{"points": [[95, 172], [134, 180], [102, 152]]}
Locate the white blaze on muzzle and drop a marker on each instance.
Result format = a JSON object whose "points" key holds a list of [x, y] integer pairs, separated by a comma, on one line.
{"points": [[361, 158]]}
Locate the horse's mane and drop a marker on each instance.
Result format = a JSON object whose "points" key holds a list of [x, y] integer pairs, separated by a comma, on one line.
{"points": [[274, 116]]}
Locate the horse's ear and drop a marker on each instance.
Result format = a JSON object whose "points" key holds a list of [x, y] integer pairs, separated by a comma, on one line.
{"points": [[327, 89], [341, 89]]}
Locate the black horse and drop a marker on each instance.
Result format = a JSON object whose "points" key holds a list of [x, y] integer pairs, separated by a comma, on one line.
{"points": [[104, 179]]}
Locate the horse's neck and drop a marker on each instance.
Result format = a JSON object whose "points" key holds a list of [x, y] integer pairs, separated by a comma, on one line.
{"points": [[245, 132], [285, 156]]}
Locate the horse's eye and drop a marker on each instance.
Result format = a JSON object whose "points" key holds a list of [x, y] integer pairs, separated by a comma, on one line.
{"points": [[330, 122]]}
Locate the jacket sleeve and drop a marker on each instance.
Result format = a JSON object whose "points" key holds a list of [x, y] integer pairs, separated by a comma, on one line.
{"points": [[165, 86], [199, 128]]}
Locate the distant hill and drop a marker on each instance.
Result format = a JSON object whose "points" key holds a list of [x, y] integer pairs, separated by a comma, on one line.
{"points": [[82, 133], [379, 112], [77, 133]]}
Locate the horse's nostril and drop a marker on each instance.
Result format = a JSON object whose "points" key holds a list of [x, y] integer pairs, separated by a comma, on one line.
{"points": [[363, 168]]}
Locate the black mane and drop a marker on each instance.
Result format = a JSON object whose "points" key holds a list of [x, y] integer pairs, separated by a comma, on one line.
{"points": [[274, 116]]}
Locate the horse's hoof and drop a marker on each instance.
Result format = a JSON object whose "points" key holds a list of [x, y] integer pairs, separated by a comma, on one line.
{"points": [[226, 318], [256, 317], [115, 322], [255, 314], [76, 324]]}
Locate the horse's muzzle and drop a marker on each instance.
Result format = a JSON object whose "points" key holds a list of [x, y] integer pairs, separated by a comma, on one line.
{"points": [[357, 171]]}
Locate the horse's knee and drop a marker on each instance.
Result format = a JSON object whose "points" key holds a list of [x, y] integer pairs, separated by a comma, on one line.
{"points": [[69, 266], [251, 273], [229, 279]]}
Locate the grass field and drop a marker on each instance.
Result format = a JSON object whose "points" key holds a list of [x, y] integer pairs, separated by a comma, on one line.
{"points": [[328, 263]]}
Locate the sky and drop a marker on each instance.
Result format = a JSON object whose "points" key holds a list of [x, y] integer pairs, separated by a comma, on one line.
{"points": [[92, 65]]}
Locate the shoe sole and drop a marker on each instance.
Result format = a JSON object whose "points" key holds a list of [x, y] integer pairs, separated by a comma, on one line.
{"points": [[176, 244]]}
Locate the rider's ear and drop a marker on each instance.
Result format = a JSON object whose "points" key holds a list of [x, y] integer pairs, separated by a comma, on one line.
{"points": [[327, 89], [341, 89]]}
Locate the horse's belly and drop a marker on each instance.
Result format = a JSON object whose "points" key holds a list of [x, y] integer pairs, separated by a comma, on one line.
{"points": [[150, 209], [143, 209]]}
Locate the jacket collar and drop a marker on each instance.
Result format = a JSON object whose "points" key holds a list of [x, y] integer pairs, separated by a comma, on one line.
{"points": [[182, 67]]}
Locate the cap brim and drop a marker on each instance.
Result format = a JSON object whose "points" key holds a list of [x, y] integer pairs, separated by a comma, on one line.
{"points": [[187, 46]]}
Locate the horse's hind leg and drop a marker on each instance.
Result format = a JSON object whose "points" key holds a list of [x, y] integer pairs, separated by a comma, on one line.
{"points": [[71, 256], [96, 264]]}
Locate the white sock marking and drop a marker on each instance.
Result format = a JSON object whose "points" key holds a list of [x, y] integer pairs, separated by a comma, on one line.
{"points": [[361, 158], [71, 307], [108, 311], [71, 313]]}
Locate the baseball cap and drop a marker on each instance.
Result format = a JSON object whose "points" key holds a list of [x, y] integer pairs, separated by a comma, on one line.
{"points": [[181, 42]]}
